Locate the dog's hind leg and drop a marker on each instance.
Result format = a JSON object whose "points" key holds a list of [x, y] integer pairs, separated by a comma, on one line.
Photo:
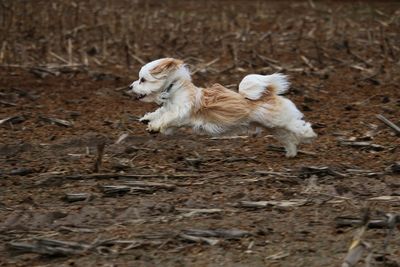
{"points": [[288, 139]]}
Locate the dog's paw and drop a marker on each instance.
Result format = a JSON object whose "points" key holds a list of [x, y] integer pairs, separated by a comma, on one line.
{"points": [[144, 121], [147, 118], [167, 131], [152, 128], [152, 131], [291, 154]]}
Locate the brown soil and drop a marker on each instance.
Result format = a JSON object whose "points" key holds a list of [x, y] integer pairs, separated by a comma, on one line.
{"points": [[343, 60]]}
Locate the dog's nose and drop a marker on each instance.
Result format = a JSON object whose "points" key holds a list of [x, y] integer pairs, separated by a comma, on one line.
{"points": [[130, 87]]}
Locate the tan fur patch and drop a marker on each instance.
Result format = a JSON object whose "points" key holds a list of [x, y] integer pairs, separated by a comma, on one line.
{"points": [[222, 106], [166, 65]]}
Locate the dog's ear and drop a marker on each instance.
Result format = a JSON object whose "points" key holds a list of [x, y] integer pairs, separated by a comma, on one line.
{"points": [[166, 66]]}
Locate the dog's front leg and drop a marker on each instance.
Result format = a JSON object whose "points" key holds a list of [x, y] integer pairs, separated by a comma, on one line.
{"points": [[148, 117], [166, 122]]}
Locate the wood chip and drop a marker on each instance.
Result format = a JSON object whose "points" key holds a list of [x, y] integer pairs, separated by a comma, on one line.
{"points": [[282, 149], [278, 256], [13, 119], [222, 233], [386, 222], [360, 144], [229, 137], [385, 198], [7, 104], [210, 241], [114, 190], [355, 253], [66, 229], [272, 203], [100, 153], [307, 171], [121, 138], [151, 184], [50, 247], [56, 121], [194, 212], [395, 168], [74, 197], [51, 179]]}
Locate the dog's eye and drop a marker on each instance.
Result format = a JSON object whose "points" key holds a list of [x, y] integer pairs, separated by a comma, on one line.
{"points": [[142, 80]]}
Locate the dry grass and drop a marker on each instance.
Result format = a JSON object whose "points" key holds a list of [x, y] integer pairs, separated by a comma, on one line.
{"points": [[128, 33]]}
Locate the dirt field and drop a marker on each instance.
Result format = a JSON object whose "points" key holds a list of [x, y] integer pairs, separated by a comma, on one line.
{"points": [[192, 200]]}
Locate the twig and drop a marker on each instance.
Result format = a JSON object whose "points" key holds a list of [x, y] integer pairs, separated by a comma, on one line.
{"points": [[366, 145], [56, 121], [194, 212], [358, 245], [141, 61], [278, 256], [8, 104], [61, 178], [73, 197], [112, 190], [2, 51], [387, 222], [50, 247], [282, 174], [151, 184], [70, 58], [210, 241], [13, 119], [281, 149], [319, 171], [229, 137], [389, 123], [204, 66], [222, 233], [58, 57], [280, 204], [99, 158], [121, 88], [307, 62]]}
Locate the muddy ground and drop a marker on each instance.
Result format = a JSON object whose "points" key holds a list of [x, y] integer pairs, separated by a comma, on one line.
{"points": [[193, 200]]}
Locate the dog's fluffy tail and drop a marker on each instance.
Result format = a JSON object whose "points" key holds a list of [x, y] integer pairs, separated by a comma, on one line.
{"points": [[253, 86]]}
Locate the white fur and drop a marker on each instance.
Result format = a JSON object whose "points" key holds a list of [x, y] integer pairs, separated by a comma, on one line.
{"points": [[183, 99], [253, 86]]}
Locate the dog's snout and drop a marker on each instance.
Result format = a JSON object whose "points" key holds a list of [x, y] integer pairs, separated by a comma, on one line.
{"points": [[130, 87]]}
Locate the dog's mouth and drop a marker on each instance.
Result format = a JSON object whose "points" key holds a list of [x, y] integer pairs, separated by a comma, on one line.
{"points": [[140, 96]]}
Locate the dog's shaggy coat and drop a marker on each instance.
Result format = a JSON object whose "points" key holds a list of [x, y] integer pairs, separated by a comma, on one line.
{"points": [[218, 110]]}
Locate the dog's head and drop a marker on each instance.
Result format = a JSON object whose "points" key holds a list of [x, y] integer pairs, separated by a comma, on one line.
{"points": [[157, 78]]}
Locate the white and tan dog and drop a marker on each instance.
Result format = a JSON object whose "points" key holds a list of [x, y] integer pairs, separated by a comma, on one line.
{"points": [[218, 110]]}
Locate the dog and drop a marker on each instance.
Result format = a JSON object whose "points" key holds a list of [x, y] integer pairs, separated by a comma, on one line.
{"points": [[217, 110]]}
